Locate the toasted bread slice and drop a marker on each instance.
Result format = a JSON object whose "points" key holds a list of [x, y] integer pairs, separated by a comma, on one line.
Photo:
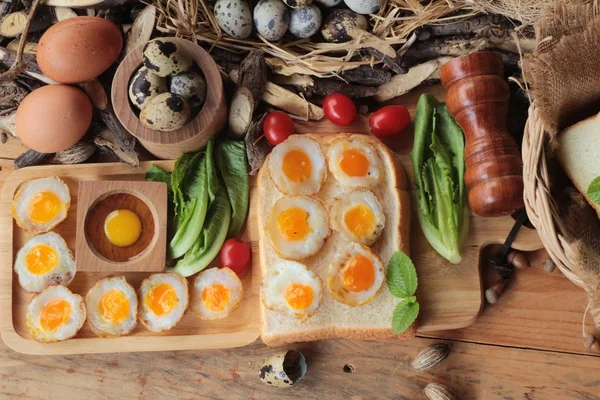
{"points": [[579, 154], [371, 321]]}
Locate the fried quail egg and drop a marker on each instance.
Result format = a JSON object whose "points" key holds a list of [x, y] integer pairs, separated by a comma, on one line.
{"points": [[55, 314], [355, 275], [297, 227], [43, 261], [358, 216], [297, 166], [217, 292], [290, 288], [164, 298], [41, 204], [354, 162], [112, 307]]}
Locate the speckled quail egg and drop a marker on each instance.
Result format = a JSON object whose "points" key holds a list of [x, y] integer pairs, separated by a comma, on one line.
{"points": [[166, 112], [354, 162], [298, 3], [164, 298], [41, 204], [328, 3], [145, 86], [164, 57], [234, 17], [305, 22], [297, 227], [298, 166], [355, 275], [358, 216], [43, 261], [290, 288], [217, 292], [55, 314], [271, 18], [339, 22], [111, 306], [191, 86], [283, 369], [364, 6]]}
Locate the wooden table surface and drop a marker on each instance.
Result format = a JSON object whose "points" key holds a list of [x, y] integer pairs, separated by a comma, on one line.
{"points": [[527, 346]]}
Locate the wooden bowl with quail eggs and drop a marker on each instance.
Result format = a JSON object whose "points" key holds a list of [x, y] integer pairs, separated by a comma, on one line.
{"points": [[169, 95]]}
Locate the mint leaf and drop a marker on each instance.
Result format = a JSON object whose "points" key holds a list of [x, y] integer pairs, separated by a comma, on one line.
{"points": [[404, 315], [593, 191], [401, 276]]}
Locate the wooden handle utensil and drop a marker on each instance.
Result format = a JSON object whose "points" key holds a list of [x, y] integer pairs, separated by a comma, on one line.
{"points": [[478, 99]]}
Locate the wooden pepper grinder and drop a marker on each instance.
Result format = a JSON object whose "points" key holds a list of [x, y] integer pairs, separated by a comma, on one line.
{"points": [[478, 99]]}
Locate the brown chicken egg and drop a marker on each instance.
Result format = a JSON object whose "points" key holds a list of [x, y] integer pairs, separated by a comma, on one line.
{"points": [[79, 49], [53, 118]]}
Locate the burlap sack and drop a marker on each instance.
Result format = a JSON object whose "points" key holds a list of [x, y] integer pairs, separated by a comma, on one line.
{"points": [[564, 78]]}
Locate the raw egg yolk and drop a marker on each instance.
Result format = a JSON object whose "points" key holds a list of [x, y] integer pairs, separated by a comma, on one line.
{"points": [[161, 299], [55, 314], [358, 274], [44, 207], [360, 220], [41, 259], [114, 306], [299, 296], [296, 166], [354, 163], [293, 223], [215, 297], [122, 227]]}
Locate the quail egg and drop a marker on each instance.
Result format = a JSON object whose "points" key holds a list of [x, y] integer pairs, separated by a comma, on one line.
{"points": [[166, 112], [298, 3], [145, 86], [191, 86], [354, 162], [41, 204], [364, 6], [55, 314], [217, 292], [164, 57], [43, 261], [283, 369], [234, 17], [111, 306], [305, 22], [355, 275], [339, 22], [164, 298], [271, 18], [328, 3]]}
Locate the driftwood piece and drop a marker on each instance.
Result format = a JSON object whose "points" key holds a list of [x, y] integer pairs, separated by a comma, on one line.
{"points": [[62, 13], [8, 124], [464, 27], [106, 142], [11, 95], [395, 64], [29, 158], [29, 48], [366, 75], [251, 86], [141, 29], [76, 154], [257, 147], [325, 87], [29, 66], [88, 4], [9, 6], [13, 24]]}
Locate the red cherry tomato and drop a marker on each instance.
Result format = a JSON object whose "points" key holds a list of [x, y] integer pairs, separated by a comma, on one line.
{"points": [[277, 127], [389, 121], [339, 109], [235, 254]]}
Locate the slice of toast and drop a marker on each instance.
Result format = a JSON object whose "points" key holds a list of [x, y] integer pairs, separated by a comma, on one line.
{"points": [[371, 321], [578, 152]]}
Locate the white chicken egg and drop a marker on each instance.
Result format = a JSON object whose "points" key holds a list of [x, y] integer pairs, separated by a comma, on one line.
{"points": [[297, 227], [41, 204], [217, 292], [290, 288], [358, 216], [55, 314], [43, 261], [164, 299], [354, 162], [112, 307], [297, 166], [355, 275]]}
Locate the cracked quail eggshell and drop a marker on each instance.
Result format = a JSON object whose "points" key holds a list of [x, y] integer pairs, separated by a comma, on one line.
{"points": [[271, 18], [234, 17], [283, 369], [305, 22]]}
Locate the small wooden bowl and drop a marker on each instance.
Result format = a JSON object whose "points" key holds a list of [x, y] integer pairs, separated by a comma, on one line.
{"points": [[193, 135]]}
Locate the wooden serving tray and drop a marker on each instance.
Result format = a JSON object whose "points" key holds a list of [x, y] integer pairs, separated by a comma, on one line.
{"points": [[450, 295]]}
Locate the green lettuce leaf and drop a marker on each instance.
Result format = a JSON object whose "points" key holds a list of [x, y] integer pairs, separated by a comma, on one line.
{"points": [[593, 190], [231, 160], [154, 173], [211, 170]]}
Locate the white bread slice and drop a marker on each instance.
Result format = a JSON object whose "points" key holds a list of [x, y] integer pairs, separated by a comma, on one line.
{"points": [[579, 154], [372, 321]]}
